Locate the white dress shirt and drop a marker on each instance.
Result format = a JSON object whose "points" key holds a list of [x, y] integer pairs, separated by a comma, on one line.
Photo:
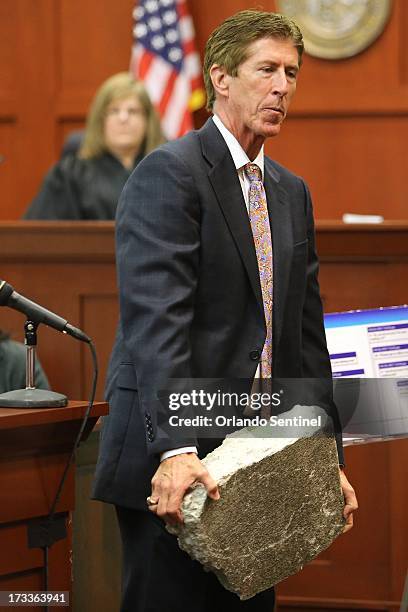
{"points": [[240, 159]]}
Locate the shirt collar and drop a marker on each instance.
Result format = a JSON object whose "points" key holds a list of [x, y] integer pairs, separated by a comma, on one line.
{"points": [[240, 158]]}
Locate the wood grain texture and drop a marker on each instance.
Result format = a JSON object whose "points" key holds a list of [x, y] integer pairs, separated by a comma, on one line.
{"points": [[69, 268], [35, 445], [345, 134]]}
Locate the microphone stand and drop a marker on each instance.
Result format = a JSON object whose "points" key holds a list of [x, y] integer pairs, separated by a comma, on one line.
{"points": [[30, 397]]}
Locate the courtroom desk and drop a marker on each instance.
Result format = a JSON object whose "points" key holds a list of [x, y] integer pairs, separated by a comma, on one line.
{"points": [[35, 446], [69, 267], [95, 538], [363, 266]]}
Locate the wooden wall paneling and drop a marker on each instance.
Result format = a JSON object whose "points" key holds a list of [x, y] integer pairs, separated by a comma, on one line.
{"points": [[58, 353], [67, 360], [338, 286], [398, 277], [8, 170], [55, 53], [65, 127], [353, 164], [13, 539], [95, 42], [369, 82], [71, 273], [97, 551], [35, 73], [360, 268], [8, 44], [99, 316], [346, 129], [403, 56]]}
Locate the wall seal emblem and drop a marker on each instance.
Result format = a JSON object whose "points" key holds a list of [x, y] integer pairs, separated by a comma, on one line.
{"points": [[336, 29]]}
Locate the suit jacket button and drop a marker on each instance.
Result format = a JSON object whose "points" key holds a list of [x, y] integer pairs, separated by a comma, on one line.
{"points": [[255, 355]]}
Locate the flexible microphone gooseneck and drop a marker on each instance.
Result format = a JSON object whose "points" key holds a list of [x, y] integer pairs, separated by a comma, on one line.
{"points": [[37, 313]]}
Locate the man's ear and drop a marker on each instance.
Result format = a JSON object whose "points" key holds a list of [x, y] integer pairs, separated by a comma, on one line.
{"points": [[220, 80]]}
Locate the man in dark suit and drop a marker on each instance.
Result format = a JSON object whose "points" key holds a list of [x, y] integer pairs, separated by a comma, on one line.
{"points": [[194, 301]]}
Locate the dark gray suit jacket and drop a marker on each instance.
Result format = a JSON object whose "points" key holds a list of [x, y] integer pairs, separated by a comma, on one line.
{"points": [[190, 296]]}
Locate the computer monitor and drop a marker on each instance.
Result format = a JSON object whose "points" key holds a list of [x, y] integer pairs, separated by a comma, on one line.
{"points": [[369, 357]]}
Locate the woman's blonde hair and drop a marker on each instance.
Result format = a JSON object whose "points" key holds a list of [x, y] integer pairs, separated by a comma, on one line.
{"points": [[118, 86]]}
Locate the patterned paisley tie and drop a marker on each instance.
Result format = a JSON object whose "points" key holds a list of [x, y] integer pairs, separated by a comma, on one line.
{"points": [[261, 230]]}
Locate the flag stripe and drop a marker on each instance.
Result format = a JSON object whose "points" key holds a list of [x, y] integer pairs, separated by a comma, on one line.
{"points": [[157, 79], [144, 64], [176, 107], [165, 58], [168, 92]]}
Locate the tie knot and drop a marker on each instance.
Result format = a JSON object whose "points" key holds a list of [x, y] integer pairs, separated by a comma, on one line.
{"points": [[253, 172]]}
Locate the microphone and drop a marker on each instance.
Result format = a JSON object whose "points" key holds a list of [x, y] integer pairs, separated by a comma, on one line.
{"points": [[37, 313]]}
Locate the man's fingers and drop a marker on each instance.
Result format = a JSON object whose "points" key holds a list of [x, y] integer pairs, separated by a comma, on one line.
{"points": [[210, 485], [152, 503], [349, 509], [172, 480], [161, 508], [170, 497], [153, 508], [349, 523], [350, 501], [174, 513]]}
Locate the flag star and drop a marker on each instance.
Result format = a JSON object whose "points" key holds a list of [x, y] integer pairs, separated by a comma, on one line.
{"points": [[170, 17], [172, 36], [158, 42], [175, 54], [151, 6], [167, 2], [140, 30], [155, 23], [138, 12]]}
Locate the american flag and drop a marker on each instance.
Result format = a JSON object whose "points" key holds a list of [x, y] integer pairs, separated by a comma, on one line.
{"points": [[165, 59]]}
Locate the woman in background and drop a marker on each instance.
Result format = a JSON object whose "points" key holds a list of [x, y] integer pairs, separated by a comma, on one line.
{"points": [[122, 127]]}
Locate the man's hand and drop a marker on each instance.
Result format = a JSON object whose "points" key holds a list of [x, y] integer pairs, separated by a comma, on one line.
{"points": [[172, 479], [350, 501]]}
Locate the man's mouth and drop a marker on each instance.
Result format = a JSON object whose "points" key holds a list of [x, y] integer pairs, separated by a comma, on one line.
{"points": [[276, 109]]}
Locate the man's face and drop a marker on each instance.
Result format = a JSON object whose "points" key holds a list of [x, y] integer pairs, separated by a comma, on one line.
{"points": [[258, 97]]}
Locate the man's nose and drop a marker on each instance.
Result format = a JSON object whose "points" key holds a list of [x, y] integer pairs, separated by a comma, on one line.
{"points": [[280, 83]]}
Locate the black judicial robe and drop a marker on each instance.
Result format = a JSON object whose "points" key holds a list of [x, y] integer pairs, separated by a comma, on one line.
{"points": [[80, 189]]}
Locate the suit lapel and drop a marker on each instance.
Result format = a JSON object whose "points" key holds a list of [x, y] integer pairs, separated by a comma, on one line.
{"points": [[227, 188], [282, 241], [224, 179]]}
